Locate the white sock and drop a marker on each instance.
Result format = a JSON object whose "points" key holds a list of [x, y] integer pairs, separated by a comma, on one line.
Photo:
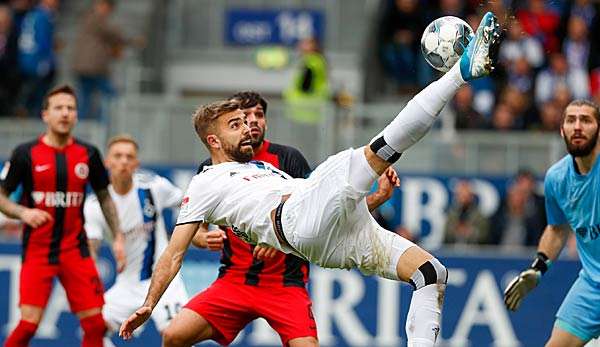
{"points": [[417, 117], [107, 342], [423, 319]]}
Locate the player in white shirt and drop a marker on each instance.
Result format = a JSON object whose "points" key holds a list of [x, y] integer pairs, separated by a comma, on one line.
{"points": [[140, 199], [323, 218]]}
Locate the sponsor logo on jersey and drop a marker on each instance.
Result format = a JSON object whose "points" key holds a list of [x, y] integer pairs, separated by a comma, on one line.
{"points": [[242, 235], [58, 199], [592, 231], [82, 170], [41, 168], [140, 230]]}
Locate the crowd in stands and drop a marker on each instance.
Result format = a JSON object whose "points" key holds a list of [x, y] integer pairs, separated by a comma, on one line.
{"points": [[28, 56], [550, 56]]}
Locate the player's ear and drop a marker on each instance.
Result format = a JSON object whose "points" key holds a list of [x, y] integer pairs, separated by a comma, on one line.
{"points": [[45, 115], [562, 132], [213, 141]]}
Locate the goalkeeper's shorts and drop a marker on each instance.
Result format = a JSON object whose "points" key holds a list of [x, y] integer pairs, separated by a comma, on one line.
{"points": [[579, 313]]}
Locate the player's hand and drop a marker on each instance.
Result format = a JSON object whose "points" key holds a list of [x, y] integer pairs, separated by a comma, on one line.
{"points": [[134, 321], [264, 252], [387, 182], [519, 287], [119, 251], [34, 217], [215, 239]]}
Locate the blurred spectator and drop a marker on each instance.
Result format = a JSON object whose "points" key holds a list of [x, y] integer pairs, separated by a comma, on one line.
{"points": [[309, 88], [522, 218], [9, 66], [562, 96], [550, 117], [595, 84], [576, 47], [541, 22], [97, 45], [465, 116], [557, 75], [518, 45], [19, 9], [520, 75], [399, 40], [465, 223], [504, 119], [36, 55], [455, 8], [521, 106]]}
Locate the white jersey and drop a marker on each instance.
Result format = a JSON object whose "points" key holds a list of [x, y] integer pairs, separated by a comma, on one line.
{"points": [[239, 195], [140, 215]]}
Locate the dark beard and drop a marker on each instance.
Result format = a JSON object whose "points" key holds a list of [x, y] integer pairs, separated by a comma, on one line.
{"points": [[258, 141], [238, 155], [585, 150]]}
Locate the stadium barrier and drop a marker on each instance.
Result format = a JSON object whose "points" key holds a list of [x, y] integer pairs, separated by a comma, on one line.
{"points": [[350, 309]]}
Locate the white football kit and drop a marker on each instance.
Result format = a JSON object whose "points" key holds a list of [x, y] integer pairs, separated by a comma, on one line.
{"points": [[140, 215], [325, 220]]}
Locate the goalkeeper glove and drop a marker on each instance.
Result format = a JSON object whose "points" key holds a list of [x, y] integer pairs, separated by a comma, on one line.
{"points": [[524, 283]]}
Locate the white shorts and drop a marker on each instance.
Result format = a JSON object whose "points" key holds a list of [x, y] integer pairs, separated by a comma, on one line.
{"points": [[124, 297], [327, 221]]}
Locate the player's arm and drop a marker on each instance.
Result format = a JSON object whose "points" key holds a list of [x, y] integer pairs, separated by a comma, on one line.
{"points": [[31, 216], [95, 225], [167, 267], [551, 243], [209, 239], [109, 210], [385, 188], [98, 179], [10, 178]]}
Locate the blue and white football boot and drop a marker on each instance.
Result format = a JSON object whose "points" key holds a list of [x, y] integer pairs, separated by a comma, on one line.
{"points": [[480, 56]]}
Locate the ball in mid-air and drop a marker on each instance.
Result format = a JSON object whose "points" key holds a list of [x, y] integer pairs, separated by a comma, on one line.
{"points": [[444, 40]]}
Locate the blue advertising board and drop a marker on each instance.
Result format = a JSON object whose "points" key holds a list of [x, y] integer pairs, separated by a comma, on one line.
{"points": [[272, 27], [350, 309]]}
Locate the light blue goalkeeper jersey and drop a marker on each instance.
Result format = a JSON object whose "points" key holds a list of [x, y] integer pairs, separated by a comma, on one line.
{"points": [[575, 199]]}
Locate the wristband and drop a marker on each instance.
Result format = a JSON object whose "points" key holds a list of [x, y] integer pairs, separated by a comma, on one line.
{"points": [[541, 263]]}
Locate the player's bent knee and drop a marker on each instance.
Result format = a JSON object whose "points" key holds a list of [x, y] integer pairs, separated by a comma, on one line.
{"points": [[308, 341], [430, 272], [32, 314], [173, 338], [186, 329]]}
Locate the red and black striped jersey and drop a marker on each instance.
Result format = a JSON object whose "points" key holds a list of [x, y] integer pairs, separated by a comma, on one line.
{"points": [[238, 264], [55, 180]]}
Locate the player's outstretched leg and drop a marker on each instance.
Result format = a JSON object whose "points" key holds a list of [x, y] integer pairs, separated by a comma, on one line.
{"points": [[417, 117]]}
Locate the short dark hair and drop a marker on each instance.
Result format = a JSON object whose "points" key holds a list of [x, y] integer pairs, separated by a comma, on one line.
{"points": [[62, 89], [584, 102], [204, 117], [248, 99]]}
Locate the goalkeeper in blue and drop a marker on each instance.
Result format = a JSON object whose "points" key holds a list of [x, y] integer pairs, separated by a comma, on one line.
{"points": [[572, 190]]}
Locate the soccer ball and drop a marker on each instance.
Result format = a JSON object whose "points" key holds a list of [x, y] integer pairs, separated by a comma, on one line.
{"points": [[444, 41]]}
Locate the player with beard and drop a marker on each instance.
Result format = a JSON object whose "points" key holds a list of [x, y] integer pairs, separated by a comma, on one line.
{"points": [[323, 218], [275, 281], [572, 193]]}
